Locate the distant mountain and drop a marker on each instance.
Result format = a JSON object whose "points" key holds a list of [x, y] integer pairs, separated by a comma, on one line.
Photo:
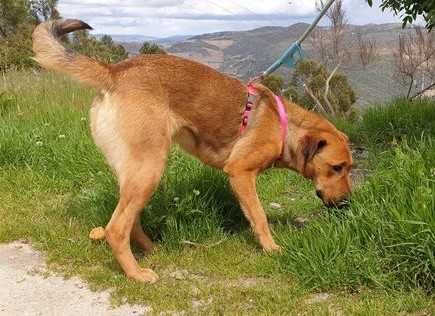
{"points": [[248, 53], [172, 39], [133, 43], [130, 38]]}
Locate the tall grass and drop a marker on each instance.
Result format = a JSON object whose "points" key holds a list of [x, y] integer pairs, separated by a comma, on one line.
{"points": [[383, 125], [386, 238]]}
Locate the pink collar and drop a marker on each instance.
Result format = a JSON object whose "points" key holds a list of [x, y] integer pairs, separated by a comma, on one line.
{"points": [[283, 119]]}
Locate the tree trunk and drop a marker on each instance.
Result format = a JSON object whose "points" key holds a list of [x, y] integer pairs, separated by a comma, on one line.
{"points": [[410, 88]]}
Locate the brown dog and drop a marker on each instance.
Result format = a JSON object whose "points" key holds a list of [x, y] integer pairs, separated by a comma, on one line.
{"points": [[151, 101]]}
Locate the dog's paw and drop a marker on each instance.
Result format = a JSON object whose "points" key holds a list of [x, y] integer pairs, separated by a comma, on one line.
{"points": [[272, 248], [145, 275], [97, 233]]}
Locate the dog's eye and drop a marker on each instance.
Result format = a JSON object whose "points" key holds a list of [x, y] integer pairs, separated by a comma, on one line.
{"points": [[337, 168]]}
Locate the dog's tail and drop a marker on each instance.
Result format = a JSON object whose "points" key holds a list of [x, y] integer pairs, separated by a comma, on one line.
{"points": [[51, 54]]}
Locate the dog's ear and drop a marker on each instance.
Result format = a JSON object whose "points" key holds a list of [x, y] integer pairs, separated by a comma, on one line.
{"points": [[308, 147]]}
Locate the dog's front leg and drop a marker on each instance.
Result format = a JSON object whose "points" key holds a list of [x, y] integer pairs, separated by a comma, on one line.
{"points": [[243, 185]]}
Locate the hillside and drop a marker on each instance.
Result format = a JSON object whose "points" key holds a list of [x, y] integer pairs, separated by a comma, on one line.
{"points": [[247, 53]]}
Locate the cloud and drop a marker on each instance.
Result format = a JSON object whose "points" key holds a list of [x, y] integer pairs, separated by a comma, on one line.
{"points": [[162, 18], [124, 3]]}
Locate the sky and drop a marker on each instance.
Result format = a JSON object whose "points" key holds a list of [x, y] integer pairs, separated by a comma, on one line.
{"points": [[164, 18]]}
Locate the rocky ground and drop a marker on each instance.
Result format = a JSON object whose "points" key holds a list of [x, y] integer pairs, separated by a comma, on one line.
{"points": [[28, 289]]}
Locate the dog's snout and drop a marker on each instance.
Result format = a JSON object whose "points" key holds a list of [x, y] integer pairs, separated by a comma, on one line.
{"points": [[319, 194], [338, 204], [343, 203]]}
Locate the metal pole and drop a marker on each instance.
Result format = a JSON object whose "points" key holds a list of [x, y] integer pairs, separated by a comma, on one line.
{"points": [[316, 21], [288, 56]]}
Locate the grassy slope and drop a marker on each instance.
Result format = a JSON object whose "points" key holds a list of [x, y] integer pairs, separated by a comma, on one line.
{"points": [[55, 187]]}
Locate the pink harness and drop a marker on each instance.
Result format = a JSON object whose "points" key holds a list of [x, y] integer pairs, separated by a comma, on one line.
{"points": [[283, 119]]}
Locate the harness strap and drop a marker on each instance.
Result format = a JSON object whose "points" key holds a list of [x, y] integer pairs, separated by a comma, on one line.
{"points": [[283, 118]]}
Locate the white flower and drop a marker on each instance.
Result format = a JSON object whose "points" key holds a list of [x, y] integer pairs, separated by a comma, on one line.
{"points": [[62, 136], [176, 199], [39, 143], [275, 205], [83, 119], [196, 192]]}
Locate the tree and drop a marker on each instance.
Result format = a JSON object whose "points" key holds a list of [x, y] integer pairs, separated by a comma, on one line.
{"points": [[107, 40], [17, 20], [16, 49], [43, 10], [410, 10], [414, 59], [12, 14], [16, 25], [322, 91], [367, 49], [337, 21], [105, 50], [151, 48], [329, 43], [274, 83]]}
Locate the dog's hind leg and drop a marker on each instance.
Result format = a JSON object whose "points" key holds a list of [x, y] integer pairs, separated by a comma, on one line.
{"points": [[133, 133], [140, 182], [137, 234], [140, 237]]}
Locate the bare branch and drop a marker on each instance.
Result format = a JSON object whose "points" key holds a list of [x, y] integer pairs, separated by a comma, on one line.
{"points": [[367, 49], [415, 58], [329, 42], [429, 87], [317, 103], [326, 94]]}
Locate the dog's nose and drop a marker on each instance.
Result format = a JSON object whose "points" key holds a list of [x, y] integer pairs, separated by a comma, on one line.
{"points": [[339, 204], [343, 203], [319, 194]]}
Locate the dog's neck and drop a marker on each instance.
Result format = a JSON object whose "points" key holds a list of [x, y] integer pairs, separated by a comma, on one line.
{"points": [[300, 123]]}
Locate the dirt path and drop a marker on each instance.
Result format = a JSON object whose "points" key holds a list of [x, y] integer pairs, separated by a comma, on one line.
{"points": [[25, 291]]}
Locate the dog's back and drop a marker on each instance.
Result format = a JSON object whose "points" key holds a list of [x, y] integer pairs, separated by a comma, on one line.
{"points": [[196, 92]]}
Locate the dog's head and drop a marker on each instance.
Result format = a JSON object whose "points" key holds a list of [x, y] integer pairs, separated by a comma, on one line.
{"points": [[325, 158]]}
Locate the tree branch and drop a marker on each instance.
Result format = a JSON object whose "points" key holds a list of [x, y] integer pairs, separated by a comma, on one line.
{"points": [[316, 100], [325, 95], [424, 90]]}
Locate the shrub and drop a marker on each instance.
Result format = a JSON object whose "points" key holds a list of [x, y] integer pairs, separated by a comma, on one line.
{"points": [[151, 48], [16, 49], [313, 77], [274, 83], [104, 50]]}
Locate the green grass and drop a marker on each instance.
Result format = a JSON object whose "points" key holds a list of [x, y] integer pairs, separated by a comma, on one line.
{"points": [[386, 238], [385, 125], [377, 258]]}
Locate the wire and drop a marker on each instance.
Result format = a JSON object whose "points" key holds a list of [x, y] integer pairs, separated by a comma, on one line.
{"points": [[220, 7], [245, 8]]}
